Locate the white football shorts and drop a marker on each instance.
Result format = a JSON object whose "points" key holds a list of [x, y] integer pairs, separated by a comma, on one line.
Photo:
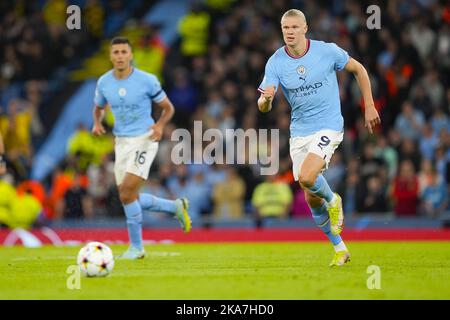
{"points": [[134, 155], [323, 143]]}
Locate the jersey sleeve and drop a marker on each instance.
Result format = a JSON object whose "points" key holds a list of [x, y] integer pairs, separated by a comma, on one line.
{"points": [[340, 57], [99, 98], [270, 77], [156, 92]]}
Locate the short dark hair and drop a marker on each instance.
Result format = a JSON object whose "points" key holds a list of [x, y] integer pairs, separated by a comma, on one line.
{"points": [[120, 40]]}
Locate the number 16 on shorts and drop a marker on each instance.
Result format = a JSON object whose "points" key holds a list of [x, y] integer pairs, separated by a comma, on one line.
{"points": [[140, 157]]}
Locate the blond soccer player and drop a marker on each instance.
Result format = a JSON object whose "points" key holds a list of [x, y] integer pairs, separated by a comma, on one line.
{"points": [[306, 71]]}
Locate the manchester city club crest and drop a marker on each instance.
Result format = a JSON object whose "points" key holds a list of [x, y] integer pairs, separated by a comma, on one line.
{"points": [[122, 92], [301, 70]]}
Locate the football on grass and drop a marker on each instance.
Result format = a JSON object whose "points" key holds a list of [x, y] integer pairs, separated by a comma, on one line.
{"points": [[95, 260]]}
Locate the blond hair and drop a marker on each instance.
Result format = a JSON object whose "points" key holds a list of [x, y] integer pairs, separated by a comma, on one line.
{"points": [[294, 13]]}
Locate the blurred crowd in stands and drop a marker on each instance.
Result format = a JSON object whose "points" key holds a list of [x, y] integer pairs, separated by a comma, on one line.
{"points": [[212, 74]]}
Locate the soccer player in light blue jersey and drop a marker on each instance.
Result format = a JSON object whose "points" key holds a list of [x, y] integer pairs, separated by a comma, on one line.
{"points": [[306, 71], [131, 94]]}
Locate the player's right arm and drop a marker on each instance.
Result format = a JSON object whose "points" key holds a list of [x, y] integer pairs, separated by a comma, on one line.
{"points": [[268, 86], [99, 114], [265, 99], [99, 110]]}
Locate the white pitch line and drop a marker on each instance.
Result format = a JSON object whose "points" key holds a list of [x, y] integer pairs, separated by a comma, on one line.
{"points": [[164, 254], [152, 253], [44, 258]]}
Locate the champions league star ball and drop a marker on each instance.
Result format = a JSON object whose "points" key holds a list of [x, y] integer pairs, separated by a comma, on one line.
{"points": [[95, 260]]}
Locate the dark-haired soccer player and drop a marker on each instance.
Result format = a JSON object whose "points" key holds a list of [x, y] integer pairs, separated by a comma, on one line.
{"points": [[306, 70], [131, 94]]}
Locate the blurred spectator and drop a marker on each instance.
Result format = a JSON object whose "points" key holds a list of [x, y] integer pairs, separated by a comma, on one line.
{"points": [[94, 15], [62, 180], [116, 17], [374, 199], [410, 122], [77, 202], [271, 200], [183, 94], [435, 196], [149, 54], [442, 159], [390, 156], [425, 175], [80, 144], [428, 142], [370, 163], [408, 151], [55, 12], [11, 68], [351, 192], [440, 121], [17, 211], [433, 87], [34, 91], [89, 149], [422, 37], [421, 101], [33, 188], [101, 180], [194, 31], [405, 190], [15, 128], [228, 196]]}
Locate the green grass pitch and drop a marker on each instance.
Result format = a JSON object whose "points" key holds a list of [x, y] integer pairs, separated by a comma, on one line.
{"points": [[409, 270]]}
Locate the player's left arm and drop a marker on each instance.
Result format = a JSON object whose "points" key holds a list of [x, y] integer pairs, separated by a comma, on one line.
{"points": [[166, 115], [371, 114]]}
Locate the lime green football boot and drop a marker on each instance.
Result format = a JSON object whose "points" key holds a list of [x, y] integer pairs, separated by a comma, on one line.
{"points": [[182, 214], [340, 258], [336, 216]]}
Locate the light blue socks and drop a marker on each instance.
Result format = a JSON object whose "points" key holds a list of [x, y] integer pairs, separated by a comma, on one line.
{"points": [[322, 189], [150, 202], [322, 220], [133, 211]]}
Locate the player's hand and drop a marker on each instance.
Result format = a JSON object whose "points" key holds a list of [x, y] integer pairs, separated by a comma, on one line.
{"points": [[371, 118], [98, 130], [269, 93], [157, 132]]}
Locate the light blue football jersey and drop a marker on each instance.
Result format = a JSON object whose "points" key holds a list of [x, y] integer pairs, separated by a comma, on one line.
{"points": [[310, 85], [130, 100]]}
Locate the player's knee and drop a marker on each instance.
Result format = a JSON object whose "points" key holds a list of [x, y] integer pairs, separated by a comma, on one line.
{"points": [[126, 195], [306, 180]]}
